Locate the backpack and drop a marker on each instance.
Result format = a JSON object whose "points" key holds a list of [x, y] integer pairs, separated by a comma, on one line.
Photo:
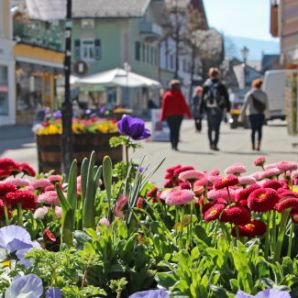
{"points": [[213, 98], [258, 105]]}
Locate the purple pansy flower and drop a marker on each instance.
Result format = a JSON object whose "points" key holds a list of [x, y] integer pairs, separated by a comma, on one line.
{"points": [[25, 286], [15, 239], [151, 294], [57, 114], [133, 127], [269, 293]]}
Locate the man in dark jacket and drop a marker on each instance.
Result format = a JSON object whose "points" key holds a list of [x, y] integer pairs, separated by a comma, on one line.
{"points": [[215, 100]]}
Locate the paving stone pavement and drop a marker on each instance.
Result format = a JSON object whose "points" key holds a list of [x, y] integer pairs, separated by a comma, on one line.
{"points": [[234, 144]]}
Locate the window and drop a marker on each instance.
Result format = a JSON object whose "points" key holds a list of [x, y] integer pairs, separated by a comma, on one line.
{"points": [[97, 49], [147, 54], [77, 48], [88, 50], [143, 53], [137, 51], [151, 55], [3, 90]]}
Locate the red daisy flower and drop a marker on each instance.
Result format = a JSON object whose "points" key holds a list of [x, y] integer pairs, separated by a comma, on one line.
{"points": [[182, 169], [226, 182], [4, 174], [213, 212], [260, 161], [49, 236], [274, 184], [7, 164], [7, 187], [27, 169], [169, 176], [1, 208], [235, 215], [262, 199], [244, 193], [173, 169], [285, 193], [242, 203], [254, 228], [152, 192], [286, 204], [185, 185], [168, 184], [25, 197]]}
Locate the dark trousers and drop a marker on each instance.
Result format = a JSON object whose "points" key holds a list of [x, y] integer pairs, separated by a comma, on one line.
{"points": [[174, 123], [214, 118], [256, 123]]}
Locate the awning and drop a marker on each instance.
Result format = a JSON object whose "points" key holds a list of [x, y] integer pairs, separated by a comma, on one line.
{"points": [[116, 77]]}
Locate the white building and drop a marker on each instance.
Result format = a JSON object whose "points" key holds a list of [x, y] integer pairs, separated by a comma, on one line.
{"points": [[7, 66]]}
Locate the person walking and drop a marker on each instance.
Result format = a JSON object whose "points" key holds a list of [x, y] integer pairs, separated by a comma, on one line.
{"points": [[174, 107], [255, 106], [215, 100], [195, 105]]}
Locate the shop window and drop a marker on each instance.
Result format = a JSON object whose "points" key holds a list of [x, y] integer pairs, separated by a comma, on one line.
{"points": [[87, 23], [3, 90], [88, 50], [137, 51]]}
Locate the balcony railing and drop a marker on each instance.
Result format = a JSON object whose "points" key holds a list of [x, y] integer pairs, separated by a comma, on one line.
{"points": [[40, 34]]}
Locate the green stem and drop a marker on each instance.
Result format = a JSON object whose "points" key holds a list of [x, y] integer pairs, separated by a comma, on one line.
{"points": [[20, 214], [291, 236], [281, 234], [267, 236], [273, 233], [126, 153], [6, 214]]}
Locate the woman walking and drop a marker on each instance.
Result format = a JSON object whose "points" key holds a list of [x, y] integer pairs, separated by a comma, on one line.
{"points": [[255, 106], [195, 107], [174, 107]]}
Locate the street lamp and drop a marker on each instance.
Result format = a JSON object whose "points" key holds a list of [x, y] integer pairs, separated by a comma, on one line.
{"points": [[244, 53], [127, 69]]}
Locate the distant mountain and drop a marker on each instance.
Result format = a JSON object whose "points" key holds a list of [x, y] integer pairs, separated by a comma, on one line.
{"points": [[233, 45]]}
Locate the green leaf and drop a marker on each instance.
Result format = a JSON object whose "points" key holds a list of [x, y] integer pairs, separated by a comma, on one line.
{"points": [[84, 175], [107, 179], [72, 185], [166, 280], [63, 202]]}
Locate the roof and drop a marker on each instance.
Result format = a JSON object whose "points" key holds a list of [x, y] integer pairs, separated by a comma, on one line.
{"points": [[109, 8]]}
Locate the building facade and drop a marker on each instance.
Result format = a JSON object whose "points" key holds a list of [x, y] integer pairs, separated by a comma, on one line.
{"points": [[7, 66]]}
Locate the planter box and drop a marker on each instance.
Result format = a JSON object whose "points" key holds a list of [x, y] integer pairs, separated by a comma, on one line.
{"points": [[50, 155]]}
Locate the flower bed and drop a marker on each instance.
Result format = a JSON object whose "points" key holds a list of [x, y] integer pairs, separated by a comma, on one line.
{"points": [[88, 135], [109, 232]]}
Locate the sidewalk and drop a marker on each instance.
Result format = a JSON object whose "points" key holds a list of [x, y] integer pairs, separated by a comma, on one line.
{"points": [[234, 144]]}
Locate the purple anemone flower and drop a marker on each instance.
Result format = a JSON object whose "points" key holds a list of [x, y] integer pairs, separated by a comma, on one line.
{"points": [[57, 114], [269, 293], [151, 294], [133, 127], [25, 286], [16, 240]]}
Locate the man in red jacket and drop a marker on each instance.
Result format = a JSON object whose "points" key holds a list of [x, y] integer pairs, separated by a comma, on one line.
{"points": [[174, 107]]}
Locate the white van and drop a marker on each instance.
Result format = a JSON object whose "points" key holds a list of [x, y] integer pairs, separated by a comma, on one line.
{"points": [[274, 85]]}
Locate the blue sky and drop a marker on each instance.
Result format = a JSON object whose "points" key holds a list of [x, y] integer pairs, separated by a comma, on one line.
{"points": [[247, 18]]}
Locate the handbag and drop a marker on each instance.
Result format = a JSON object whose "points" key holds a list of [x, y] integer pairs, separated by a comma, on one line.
{"points": [[258, 105]]}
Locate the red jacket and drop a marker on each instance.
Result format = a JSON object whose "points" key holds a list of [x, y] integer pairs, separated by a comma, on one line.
{"points": [[174, 104]]}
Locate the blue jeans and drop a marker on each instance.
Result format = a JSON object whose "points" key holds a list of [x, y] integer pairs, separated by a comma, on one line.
{"points": [[256, 123], [174, 123], [214, 118]]}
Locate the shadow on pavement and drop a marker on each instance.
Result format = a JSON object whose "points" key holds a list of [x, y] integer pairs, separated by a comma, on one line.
{"points": [[195, 152]]}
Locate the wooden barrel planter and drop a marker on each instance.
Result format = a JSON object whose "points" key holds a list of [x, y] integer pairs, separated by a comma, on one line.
{"points": [[50, 155]]}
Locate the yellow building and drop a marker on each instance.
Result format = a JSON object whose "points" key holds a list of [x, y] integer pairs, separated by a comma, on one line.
{"points": [[39, 60], [7, 67]]}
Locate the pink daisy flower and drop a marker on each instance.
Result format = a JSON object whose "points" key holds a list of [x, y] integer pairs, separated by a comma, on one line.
{"points": [[41, 212], [286, 166], [235, 169], [120, 203], [270, 166], [49, 198], [179, 197], [223, 182], [190, 175], [104, 221], [55, 178], [18, 182], [41, 183], [259, 161], [294, 174], [258, 175], [269, 173], [58, 211], [214, 172], [247, 180]]}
